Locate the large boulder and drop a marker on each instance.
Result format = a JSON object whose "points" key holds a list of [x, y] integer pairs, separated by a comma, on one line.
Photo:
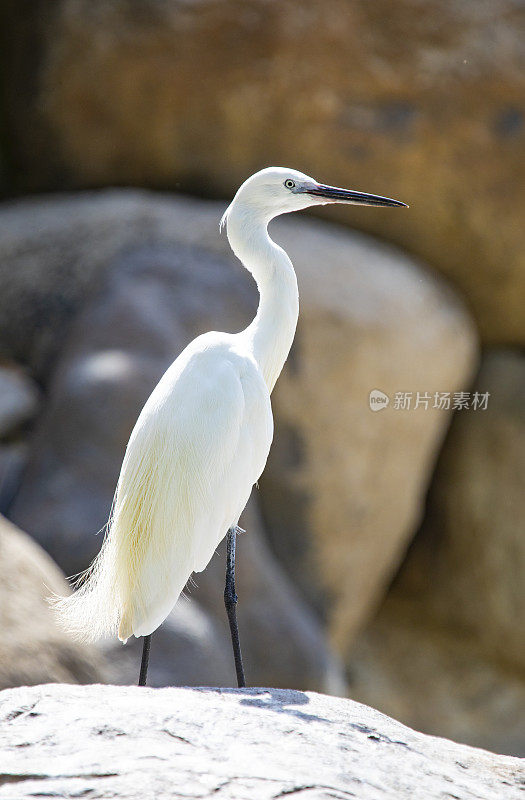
{"points": [[157, 273], [56, 251], [252, 743], [447, 650], [437, 678], [422, 100], [345, 483], [472, 538], [32, 647]]}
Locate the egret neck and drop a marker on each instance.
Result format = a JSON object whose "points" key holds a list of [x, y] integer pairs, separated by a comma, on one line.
{"points": [[272, 331]]}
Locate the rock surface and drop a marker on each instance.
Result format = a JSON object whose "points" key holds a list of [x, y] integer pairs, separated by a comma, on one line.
{"points": [[236, 744], [156, 273], [32, 648], [422, 100]]}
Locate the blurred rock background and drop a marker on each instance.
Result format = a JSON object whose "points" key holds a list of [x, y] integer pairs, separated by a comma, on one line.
{"points": [[385, 551]]}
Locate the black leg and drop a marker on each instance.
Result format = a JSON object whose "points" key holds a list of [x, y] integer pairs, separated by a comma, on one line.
{"points": [[230, 601], [145, 660]]}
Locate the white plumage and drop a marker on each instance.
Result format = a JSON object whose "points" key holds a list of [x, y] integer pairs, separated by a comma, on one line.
{"points": [[203, 437]]}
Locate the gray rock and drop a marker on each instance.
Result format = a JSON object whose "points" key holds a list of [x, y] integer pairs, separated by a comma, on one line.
{"points": [[149, 305], [281, 638], [19, 400], [56, 251], [252, 744], [33, 649], [13, 460], [189, 649]]}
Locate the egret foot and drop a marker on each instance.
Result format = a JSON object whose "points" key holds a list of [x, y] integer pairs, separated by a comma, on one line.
{"points": [[145, 660], [230, 601]]}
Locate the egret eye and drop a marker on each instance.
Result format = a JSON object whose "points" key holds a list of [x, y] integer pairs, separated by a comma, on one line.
{"points": [[290, 184]]}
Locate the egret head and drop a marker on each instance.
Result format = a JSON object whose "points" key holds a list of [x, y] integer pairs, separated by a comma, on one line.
{"points": [[279, 190]]}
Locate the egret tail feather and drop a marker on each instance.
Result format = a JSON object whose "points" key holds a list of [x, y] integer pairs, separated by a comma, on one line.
{"points": [[93, 610]]}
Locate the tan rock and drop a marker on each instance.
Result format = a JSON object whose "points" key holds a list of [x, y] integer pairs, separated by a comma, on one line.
{"points": [[472, 540], [438, 679], [32, 648], [447, 650], [283, 642], [344, 487], [421, 100]]}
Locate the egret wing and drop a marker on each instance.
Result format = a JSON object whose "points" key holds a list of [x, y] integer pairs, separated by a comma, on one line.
{"points": [[176, 490]]}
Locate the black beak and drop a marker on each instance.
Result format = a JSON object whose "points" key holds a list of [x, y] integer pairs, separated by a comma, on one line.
{"points": [[349, 196]]}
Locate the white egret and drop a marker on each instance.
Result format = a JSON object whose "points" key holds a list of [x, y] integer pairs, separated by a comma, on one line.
{"points": [[202, 438]]}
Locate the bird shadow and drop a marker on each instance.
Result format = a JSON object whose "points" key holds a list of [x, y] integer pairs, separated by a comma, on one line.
{"points": [[276, 700]]}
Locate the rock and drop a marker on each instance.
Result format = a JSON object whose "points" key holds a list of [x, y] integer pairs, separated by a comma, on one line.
{"points": [[189, 649], [437, 678], [280, 637], [19, 405], [158, 274], [344, 487], [282, 641], [256, 743], [447, 650], [32, 648], [143, 314], [19, 400], [423, 101], [13, 460], [472, 539], [56, 252]]}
